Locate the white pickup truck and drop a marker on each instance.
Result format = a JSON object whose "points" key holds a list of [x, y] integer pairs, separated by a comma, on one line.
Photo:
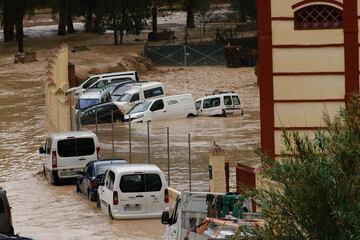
{"points": [[197, 216]]}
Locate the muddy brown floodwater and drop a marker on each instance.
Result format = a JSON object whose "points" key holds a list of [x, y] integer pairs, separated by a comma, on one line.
{"points": [[43, 211]]}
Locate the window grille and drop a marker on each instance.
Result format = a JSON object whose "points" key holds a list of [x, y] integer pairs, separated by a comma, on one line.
{"points": [[318, 17]]}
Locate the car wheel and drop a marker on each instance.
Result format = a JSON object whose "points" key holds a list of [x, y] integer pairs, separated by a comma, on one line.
{"points": [[77, 188], [98, 202], [90, 196], [190, 115], [223, 114], [54, 178], [110, 213]]}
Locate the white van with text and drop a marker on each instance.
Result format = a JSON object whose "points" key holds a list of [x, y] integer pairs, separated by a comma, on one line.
{"points": [[169, 107]]}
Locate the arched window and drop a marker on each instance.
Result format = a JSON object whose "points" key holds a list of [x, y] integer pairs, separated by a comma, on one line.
{"points": [[318, 17]]}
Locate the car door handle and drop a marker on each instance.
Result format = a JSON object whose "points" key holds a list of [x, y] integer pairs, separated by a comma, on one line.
{"points": [[152, 195], [82, 159], [140, 196]]}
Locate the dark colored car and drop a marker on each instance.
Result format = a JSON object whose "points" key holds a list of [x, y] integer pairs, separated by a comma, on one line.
{"points": [[6, 226], [92, 174], [103, 114], [12, 237]]}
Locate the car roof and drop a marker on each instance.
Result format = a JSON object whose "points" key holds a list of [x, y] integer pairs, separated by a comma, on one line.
{"points": [[134, 168], [217, 95], [109, 161], [72, 134], [93, 94], [168, 97], [139, 85], [114, 74]]}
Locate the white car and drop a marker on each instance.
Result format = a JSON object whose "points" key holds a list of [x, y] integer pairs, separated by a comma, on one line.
{"points": [[220, 104], [100, 80], [169, 107], [133, 191], [67, 153], [140, 92]]}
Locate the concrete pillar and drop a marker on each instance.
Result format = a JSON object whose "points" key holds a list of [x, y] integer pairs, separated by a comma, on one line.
{"points": [[217, 169]]}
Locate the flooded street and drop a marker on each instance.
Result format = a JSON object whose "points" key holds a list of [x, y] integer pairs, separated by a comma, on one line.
{"points": [[43, 211]]}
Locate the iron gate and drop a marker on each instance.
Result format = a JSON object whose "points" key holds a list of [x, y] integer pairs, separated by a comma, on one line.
{"points": [[186, 55]]}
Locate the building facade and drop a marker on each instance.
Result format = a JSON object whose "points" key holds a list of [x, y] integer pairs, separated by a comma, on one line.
{"points": [[308, 64]]}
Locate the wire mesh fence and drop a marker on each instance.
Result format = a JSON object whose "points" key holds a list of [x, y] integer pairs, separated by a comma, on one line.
{"points": [[186, 55]]}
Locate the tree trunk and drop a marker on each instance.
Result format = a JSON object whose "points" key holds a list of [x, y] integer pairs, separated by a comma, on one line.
{"points": [[20, 12], [88, 20], [190, 23], [116, 40], [154, 19], [20, 36], [62, 18], [8, 22], [121, 36], [69, 21], [96, 25]]}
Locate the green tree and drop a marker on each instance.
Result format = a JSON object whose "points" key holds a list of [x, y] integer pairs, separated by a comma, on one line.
{"points": [[244, 9], [204, 12], [125, 16], [316, 193]]}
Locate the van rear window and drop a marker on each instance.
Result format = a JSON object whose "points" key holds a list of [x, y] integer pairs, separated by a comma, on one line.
{"points": [[2, 207], [76, 147], [132, 183], [140, 183], [153, 183]]}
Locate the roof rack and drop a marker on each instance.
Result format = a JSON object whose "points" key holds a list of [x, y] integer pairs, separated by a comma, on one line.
{"points": [[216, 91]]}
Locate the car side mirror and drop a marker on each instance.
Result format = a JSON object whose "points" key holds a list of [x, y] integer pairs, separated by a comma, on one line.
{"points": [[165, 217], [101, 184], [41, 150]]}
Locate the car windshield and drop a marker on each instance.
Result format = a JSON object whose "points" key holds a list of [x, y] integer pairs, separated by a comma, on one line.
{"points": [[125, 97], [85, 103], [90, 81], [120, 91], [111, 87], [140, 107]]}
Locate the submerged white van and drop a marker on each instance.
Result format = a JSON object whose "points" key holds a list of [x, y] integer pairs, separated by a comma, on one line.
{"points": [[169, 107], [220, 104], [67, 153], [140, 92], [132, 191], [107, 77]]}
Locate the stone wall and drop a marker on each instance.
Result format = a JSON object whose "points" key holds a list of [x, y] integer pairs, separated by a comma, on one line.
{"points": [[56, 85]]}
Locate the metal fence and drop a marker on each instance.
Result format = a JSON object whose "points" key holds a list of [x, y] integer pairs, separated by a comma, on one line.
{"points": [[113, 139], [186, 55], [77, 125]]}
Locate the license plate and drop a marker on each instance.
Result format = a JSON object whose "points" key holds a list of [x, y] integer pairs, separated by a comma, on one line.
{"points": [[132, 208], [67, 173]]}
